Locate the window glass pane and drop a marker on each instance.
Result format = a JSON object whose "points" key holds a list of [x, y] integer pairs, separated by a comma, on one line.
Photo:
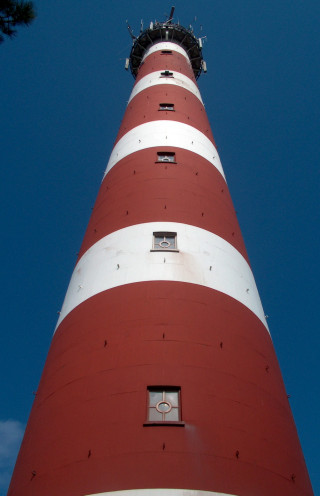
{"points": [[167, 242], [164, 406], [166, 157], [154, 397], [173, 415], [158, 239], [154, 415], [166, 106], [172, 397]]}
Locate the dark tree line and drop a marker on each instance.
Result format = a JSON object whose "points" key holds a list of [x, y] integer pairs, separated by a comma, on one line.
{"points": [[12, 14]]}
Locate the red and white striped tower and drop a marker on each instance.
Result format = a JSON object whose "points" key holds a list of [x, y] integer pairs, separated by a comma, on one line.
{"points": [[162, 379]]}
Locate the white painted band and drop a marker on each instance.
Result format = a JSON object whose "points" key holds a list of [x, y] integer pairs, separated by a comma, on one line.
{"points": [[155, 78], [161, 492], [163, 134], [166, 45], [124, 257]]}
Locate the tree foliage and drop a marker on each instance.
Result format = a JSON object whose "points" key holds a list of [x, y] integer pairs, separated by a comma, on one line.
{"points": [[14, 13]]}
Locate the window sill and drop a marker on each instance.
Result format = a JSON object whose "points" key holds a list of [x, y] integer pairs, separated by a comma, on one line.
{"points": [[166, 110], [165, 249], [167, 424], [165, 162]]}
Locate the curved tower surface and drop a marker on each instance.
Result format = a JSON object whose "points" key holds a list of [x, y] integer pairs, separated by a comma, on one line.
{"points": [[161, 379]]}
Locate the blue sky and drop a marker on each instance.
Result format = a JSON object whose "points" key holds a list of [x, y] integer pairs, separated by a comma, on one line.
{"points": [[63, 94]]}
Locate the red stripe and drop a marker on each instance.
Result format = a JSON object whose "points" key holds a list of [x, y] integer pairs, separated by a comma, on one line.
{"points": [[86, 435], [139, 190], [144, 107], [160, 62]]}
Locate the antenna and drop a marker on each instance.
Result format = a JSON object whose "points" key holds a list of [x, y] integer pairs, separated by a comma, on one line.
{"points": [[201, 40], [141, 26], [171, 14], [130, 31]]}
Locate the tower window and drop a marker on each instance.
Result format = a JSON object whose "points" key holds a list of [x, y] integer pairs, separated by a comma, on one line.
{"points": [[166, 157], [164, 404], [164, 241], [166, 52], [166, 106], [166, 74]]}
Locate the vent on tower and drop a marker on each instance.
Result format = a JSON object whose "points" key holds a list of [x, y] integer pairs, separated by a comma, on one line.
{"points": [[166, 74]]}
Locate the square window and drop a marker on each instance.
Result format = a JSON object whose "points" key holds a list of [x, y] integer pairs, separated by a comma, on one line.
{"points": [[164, 241], [166, 106], [166, 157], [166, 74], [164, 404]]}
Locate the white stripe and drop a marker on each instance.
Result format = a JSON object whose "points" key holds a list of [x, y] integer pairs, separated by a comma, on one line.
{"points": [[163, 134], [161, 492], [124, 257], [166, 45], [154, 78]]}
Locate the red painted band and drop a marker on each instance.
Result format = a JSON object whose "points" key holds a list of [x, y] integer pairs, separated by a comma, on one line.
{"points": [[87, 421], [139, 190], [160, 62], [144, 107]]}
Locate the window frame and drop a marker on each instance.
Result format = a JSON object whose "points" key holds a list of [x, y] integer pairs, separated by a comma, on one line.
{"points": [[164, 390], [166, 107], [164, 234], [166, 154]]}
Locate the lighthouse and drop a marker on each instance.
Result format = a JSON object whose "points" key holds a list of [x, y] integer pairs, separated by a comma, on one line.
{"points": [[161, 378]]}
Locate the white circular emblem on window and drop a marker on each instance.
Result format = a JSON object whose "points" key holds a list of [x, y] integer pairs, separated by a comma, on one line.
{"points": [[163, 406], [165, 244]]}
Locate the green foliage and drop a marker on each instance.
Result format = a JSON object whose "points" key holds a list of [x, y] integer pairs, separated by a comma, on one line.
{"points": [[14, 13]]}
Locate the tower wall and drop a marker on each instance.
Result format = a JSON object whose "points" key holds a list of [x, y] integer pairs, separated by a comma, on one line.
{"points": [[136, 317]]}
